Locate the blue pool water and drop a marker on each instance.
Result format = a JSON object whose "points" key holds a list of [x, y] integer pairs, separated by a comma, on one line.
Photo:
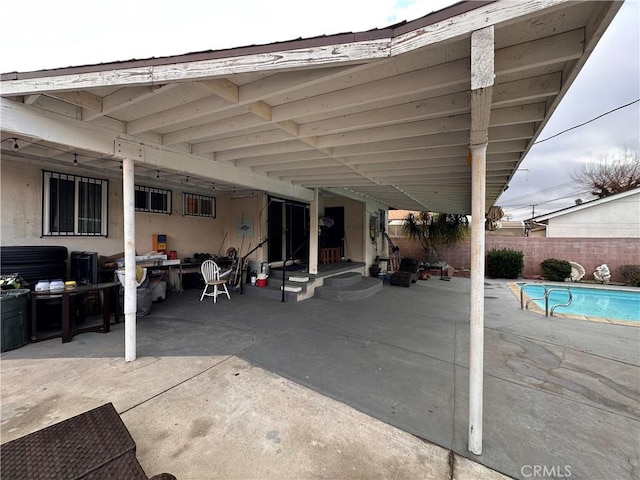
{"points": [[589, 302]]}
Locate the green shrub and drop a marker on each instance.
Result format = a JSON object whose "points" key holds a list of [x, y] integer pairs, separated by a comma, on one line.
{"points": [[505, 263], [556, 270], [630, 274]]}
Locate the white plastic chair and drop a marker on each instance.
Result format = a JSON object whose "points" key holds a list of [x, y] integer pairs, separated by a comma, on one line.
{"points": [[211, 275]]}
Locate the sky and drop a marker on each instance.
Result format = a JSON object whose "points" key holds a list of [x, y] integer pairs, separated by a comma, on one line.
{"points": [[80, 32]]}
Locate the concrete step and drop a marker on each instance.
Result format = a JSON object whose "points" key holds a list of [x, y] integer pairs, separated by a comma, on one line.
{"points": [[364, 287], [343, 280], [294, 292]]}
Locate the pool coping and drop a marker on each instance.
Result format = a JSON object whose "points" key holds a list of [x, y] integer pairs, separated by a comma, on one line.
{"points": [[513, 287]]}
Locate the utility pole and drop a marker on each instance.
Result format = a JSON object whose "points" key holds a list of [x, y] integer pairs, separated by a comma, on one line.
{"points": [[533, 211]]}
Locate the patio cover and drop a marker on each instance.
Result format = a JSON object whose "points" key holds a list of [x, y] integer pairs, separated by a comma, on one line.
{"points": [[383, 114], [434, 114]]}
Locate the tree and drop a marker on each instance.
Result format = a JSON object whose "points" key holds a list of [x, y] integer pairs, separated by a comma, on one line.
{"points": [[611, 174], [433, 229]]}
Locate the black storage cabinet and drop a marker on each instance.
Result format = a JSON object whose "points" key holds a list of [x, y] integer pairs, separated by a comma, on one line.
{"points": [[410, 265]]}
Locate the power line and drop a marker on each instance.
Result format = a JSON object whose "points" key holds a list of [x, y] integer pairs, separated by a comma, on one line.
{"points": [[543, 202], [527, 195], [588, 121]]}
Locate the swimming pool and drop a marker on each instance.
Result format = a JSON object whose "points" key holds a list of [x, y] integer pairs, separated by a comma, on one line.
{"points": [[596, 302]]}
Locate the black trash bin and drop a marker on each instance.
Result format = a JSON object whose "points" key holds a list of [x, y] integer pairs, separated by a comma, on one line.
{"points": [[14, 322]]}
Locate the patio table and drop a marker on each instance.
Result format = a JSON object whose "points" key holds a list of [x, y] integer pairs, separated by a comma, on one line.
{"points": [[109, 290]]}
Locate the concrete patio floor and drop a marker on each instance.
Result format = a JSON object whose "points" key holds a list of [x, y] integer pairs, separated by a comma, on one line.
{"points": [[375, 388]]}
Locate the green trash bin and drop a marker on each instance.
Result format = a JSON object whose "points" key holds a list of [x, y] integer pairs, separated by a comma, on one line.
{"points": [[14, 322]]}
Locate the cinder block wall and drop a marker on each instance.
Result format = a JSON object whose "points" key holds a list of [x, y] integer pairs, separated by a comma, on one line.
{"points": [[588, 252]]}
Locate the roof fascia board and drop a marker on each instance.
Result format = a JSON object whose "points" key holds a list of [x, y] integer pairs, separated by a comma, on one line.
{"points": [[582, 206], [313, 42], [331, 55], [463, 24], [51, 127], [310, 55]]}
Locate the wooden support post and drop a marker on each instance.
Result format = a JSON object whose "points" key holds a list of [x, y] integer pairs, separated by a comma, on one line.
{"points": [[130, 288], [482, 79], [313, 234]]}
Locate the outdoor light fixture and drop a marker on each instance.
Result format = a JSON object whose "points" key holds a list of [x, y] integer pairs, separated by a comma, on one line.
{"points": [[158, 174], [213, 186], [187, 180], [75, 158], [15, 143]]}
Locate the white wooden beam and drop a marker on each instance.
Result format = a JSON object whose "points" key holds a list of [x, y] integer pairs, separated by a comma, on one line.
{"points": [[33, 122], [287, 82], [546, 51], [422, 154], [206, 130], [262, 135], [273, 169], [205, 69], [223, 88], [286, 147], [413, 129], [452, 104], [482, 80], [533, 112], [181, 113], [228, 96], [81, 99], [125, 97], [460, 25], [432, 78], [529, 89], [30, 99]]}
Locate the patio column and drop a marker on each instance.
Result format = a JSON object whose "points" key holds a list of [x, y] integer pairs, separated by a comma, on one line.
{"points": [[130, 288], [313, 234], [482, 79]]}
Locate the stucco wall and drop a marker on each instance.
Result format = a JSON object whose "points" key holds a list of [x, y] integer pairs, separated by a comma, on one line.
{"points": [[589, 252], [619, 218], [21, 185]]}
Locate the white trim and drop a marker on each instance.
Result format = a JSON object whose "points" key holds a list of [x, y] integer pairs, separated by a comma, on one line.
{"points": [[582, 206]]}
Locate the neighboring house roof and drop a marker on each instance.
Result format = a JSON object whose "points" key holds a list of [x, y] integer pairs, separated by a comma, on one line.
{"points": [[384, 115], [584, 205]]}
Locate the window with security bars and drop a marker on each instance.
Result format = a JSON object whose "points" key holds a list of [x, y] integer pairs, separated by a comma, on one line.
{"points": [[152, 200], [74, 205], [199, 205]]}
